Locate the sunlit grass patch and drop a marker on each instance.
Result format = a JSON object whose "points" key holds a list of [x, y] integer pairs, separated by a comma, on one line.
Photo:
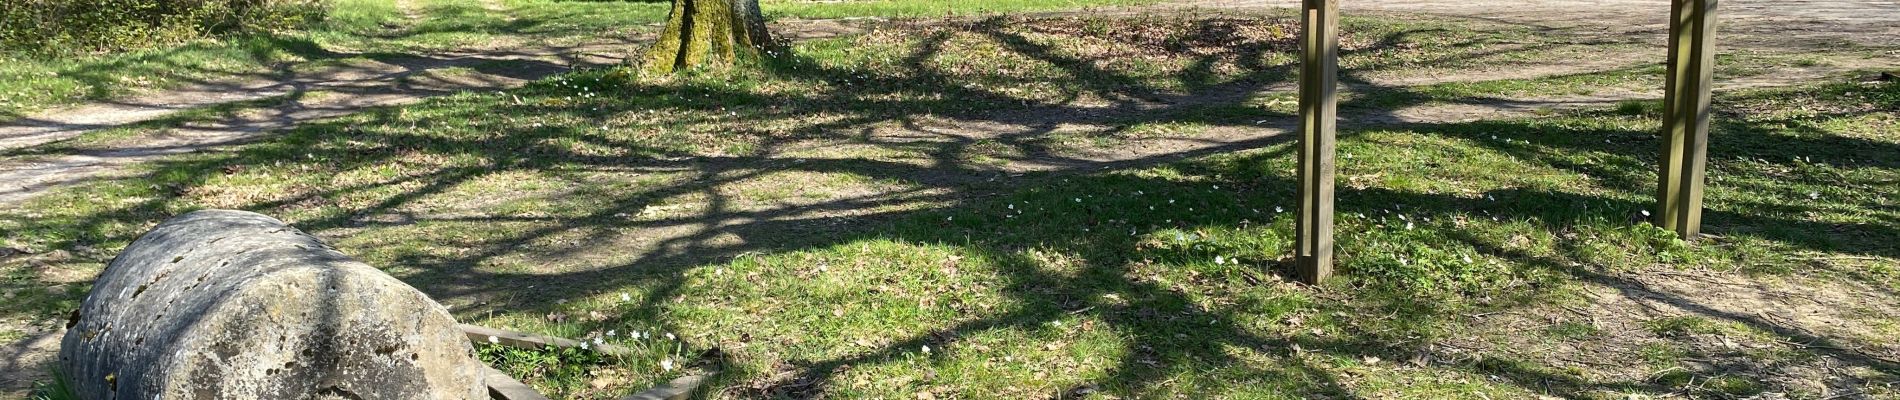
{"points": [[834, 226]]}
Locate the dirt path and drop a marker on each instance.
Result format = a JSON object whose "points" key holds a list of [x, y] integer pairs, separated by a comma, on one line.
{"points": [[1794, 25], [306, 97], [1782, 26]]}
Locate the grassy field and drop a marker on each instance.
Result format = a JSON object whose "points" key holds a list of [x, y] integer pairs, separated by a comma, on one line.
{"points": [[372, 28], [925, 210]]}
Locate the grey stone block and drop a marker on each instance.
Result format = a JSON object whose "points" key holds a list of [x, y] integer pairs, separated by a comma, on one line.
{"points": [[235, 305]]}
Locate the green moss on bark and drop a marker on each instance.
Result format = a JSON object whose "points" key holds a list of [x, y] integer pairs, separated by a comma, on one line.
{"points": [[708, 34]]}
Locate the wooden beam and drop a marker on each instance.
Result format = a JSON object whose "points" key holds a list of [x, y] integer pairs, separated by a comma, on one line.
{"points": [[1686, 116], [1319, 112], [679, 388], [486, 335], [504, 387]]}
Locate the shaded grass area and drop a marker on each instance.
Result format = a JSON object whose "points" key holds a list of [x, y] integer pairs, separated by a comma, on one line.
{"points": [[857, 221], [355, 28], [29, 83]]}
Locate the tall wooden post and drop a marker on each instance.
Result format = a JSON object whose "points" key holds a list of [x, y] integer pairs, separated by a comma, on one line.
{"points": [[1319, 69], [1686, 115]]}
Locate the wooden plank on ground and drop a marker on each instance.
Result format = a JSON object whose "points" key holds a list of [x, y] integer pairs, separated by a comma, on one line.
{"points": [[678, 389], [481, 334], [504, 387]]}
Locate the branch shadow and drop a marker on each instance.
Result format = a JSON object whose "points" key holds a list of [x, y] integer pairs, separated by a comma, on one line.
{"points": [[939, 181]]}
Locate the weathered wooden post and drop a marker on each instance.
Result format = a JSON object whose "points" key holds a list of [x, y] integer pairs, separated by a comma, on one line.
{"points": [[1319, 69], [1686, 115], [236, 305]]}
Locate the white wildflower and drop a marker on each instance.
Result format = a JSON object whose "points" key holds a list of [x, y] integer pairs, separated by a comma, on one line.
{"points": [[666, 364], [610, 333], [625, 297], [495, 340], [926, 349], [1218, 260]]}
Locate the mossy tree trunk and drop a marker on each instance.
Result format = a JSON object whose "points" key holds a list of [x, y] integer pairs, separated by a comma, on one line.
{"points": [[709, 33]]}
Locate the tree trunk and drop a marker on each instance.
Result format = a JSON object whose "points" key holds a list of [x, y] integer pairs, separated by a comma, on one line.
{"points": [[709, 33]]}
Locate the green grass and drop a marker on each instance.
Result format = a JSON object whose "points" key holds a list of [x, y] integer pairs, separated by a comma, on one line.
{"points": [[911, 9], [30, 83], [832, 226], [54, 389], [358, 27]]}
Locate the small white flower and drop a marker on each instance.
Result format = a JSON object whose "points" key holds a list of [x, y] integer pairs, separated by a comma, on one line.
{"points": [[1218, 260], [1012, 206], [1814, 195], [926, 349], [1645, 213], [610, 333], [583, 345], [598, 340], [625, 297], [1467, 258], [1278, 209], [1078, 199], [1408, 225], [669, 336], [495, 340], [666, 364]]}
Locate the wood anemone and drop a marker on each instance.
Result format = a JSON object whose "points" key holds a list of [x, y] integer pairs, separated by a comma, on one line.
{"points": [[709, 34]]}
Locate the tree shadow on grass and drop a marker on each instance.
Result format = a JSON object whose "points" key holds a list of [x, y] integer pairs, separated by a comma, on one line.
{"points": [[1165, 329]]}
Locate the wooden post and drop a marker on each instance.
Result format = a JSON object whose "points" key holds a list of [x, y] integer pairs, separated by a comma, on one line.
{"points": [[1319, 67], [1686, 116]]}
